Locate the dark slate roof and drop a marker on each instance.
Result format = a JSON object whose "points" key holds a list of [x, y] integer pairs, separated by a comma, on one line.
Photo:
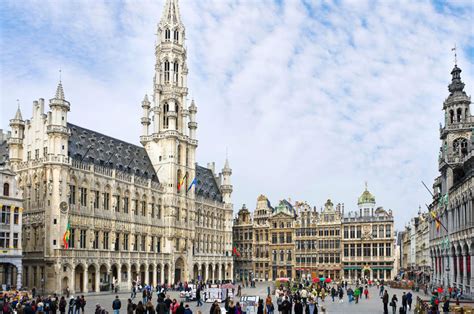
{"points": [[206, 185], [109, 152], [3, 152]]}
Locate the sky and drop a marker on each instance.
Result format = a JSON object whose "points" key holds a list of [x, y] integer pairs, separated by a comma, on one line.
{"points": [[310, 99]]}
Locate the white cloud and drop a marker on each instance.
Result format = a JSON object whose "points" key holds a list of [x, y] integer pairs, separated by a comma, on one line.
{"points": [[310, 103]]}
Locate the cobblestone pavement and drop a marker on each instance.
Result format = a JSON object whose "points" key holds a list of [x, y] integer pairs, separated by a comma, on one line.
{"points": [[371, 305]]}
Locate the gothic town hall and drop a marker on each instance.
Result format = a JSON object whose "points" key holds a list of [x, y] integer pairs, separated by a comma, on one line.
{"points": [[98, 210]]}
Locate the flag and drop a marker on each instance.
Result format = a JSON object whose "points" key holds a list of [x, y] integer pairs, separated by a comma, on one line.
{"points": [[191, 185], [235, 252], [180, 184], [436, 218], [66, 235]]}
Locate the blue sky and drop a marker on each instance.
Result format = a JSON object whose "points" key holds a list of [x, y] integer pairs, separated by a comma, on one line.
{"points": [[310, 98]]}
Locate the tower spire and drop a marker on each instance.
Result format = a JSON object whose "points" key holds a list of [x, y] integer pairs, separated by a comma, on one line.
{"points": [[171, 13]]}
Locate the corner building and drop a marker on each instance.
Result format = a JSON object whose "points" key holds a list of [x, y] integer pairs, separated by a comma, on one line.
{"points": [[131, 214], [451, 249]]}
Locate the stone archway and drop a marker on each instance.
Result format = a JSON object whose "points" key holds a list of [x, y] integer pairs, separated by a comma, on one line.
{"points": [[151, 272], [166, 271], [196, 272], [91, 278], [134, 273], [203, 272], [209, 273], [79, 278], [124, 274], [104, 279], [216, 272], [229, 274], [159, 277], [141, 275], [64, 284], [179, 270], [223, 276]]}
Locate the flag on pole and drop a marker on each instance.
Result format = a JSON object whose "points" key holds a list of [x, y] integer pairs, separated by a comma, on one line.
{"points": [[192, 183], [67, 235], [235, 252], [181, 182], [436, 218]]}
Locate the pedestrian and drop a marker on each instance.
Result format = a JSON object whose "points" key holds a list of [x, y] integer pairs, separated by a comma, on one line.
{"points": [[404, 302], [285, 306], [62, 305], [366, 292], [409, 300], [393, 304], [269, 305], [341, 295], [238, 308], [231, 307], [144, 296], [385, 302], [82, 303], [381, 290], [350, 294], [140, 308], [260, 306], [333, 294], [130, 307], [180, 309], [198, 296], [187, 309], [116, 305], [174, 306], [446, 305], [161, 306], [357, 294], [72, 303]]}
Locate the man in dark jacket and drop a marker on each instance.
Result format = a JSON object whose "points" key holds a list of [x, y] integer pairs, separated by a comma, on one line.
{"points": [[198, 296], [298, 307], [285, 306], [385, 302], [116, 305], [404, 302], [409, 300], [161, 306]]}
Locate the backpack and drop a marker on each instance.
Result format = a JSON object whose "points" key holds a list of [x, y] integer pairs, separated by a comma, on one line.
{"points": [[6, 308]]}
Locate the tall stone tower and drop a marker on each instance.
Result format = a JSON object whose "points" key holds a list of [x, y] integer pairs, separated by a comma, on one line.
{"points": [[456, 133], [171, 142]]}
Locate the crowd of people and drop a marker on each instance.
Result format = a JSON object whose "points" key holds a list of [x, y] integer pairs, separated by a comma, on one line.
{"points": [[22, 303]]}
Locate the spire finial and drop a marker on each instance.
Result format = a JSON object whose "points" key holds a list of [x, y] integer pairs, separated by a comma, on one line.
{"points": [[18, 111], [366, 185], [60, 74], [455, 55], [18, 103]]}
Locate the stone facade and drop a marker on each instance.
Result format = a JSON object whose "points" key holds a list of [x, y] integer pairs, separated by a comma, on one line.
{"points": [[452, 243], [10, 222], [305, 243], [136, 213]]}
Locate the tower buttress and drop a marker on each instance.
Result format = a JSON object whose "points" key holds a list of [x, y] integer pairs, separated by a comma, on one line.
{"points": [[15, 142], [226, 185], [58, 133]]}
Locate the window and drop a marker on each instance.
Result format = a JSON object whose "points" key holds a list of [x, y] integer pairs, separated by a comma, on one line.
{"points": [[352, 250], [380, 231], [152, 210], [37, 153], [159, 211], [135, 207], [95, 243], [143, 208], [135, 243], [282, 238], [366, 249], [28, 156], [83, 196], [346, 232], [72, 237], [289, 256], [158, 245], [82, 239], [374, 249], [152, 244], [106, 241], [176, 67], [72, 194], [106, 196], [176, 35], [15, 240], [6, 189], [167, 71], [125, 204], [352, 232], [4, 240], [274, 238], [359, 232], [282, 257], [117, 242], [346, 250], [381, 249], [117, 203], [359, 249], [388, 250], [45, 150], [374, 231], [143, 243], [96, 199], [388, 231], [167, 35], [16, 215], [5, 219], [125, 242], [288, 238]]}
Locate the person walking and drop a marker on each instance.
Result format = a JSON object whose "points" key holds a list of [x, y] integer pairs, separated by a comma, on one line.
{"points": [[187, 309], [285, 306], [72, 303], [366, 292], [409, 300], [62, 305], [298, 307], [116, 305], [333, 294], [393, 304], [385, 302], [446, 305], [269, 305], [198, 296], [404, 302], [260, 306], [130, 307], [382, 288], [140, 308], [357, 294], [341, 295]]}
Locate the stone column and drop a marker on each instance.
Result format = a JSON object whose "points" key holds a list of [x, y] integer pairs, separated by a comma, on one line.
{"points": [[19, 276], [86, 280], [171, 275], [219, 272], [97, 280], [205, 275], [147, 276], [72, 284], [159, 275], [128, 284], [154, 282]]}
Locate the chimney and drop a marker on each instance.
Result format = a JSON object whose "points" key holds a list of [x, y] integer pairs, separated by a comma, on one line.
{"points": [[212, 167]]}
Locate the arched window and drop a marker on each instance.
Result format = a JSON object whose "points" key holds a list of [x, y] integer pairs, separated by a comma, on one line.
{"points": [[167, 71], [282, 256], [176, 66], [451, 116], [176, 109], [6, 189], [176, 35], [289, 256], [459, 114], [166, 108], [167, 34]]}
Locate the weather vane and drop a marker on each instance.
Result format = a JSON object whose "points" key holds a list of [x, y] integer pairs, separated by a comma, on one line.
{"points": [[455, 54]]}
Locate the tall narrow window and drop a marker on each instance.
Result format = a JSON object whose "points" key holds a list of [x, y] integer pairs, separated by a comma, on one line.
{"points": [[6, 189], [72, 194], [106, 241], [82, 239], [176, 35], [83, 196], [72, 238], [167, 71], [167, 34], [117, 241], [16, 216], [165, 115], [176, 67], [96, 199]]}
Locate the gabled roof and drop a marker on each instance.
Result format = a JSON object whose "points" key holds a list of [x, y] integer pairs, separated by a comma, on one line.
{"points": [[99, 149], [206, 185]]}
